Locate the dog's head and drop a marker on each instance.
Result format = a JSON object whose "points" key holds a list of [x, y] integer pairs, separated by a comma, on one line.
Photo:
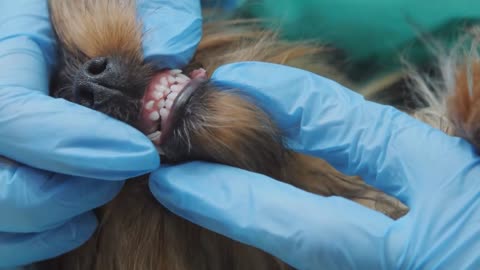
{"points": [[186, 116]]}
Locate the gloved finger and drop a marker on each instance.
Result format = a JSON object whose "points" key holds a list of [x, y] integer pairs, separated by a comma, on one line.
{"points": [[324, 119], [33, 200], [23, 249], [172, 30], [27, 44], [56, 135], [305, 230]]}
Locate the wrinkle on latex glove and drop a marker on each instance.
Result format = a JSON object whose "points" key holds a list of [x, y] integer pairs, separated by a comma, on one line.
{"points": [[172, 29]]}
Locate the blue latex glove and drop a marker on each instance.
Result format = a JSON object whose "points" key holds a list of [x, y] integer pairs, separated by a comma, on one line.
{"points": [[58, 148], [437, 176]]}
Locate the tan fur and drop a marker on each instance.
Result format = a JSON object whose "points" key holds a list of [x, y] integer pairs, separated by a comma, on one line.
{"points": [[98, 28], [242, 40], [450, 101], [136, 232], [464, 105]]}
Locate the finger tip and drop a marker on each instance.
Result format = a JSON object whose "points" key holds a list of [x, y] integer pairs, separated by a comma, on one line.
{"points": [[171, 49]]}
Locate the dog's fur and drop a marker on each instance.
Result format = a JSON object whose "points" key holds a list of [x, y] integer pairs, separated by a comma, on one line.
{"points": [[135, 231]]}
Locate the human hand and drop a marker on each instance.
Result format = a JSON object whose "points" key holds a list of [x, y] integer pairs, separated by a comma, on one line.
{"points": [[434, 174], [61, 159]]}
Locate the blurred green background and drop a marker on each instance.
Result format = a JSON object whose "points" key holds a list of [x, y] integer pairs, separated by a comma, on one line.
{"points": [[371, 34]]}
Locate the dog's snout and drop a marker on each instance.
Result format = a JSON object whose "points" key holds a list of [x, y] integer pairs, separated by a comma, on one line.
{"points": [[98, 81]]}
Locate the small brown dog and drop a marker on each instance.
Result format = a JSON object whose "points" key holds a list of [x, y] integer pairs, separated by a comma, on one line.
{"points": [[103, 68]]}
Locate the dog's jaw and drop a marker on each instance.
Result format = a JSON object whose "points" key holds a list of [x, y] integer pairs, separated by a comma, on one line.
{"points": [[161, 100]]}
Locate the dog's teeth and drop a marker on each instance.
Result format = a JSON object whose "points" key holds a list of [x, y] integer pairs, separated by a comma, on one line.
{"points": [[172, 96], [154, 116], [171, 79], [164, 82], [161, 88], [176, 88], [175, 71], [182, 78], [157, 95], [154, 135], [149, 105], [168, 104], [166, 92], [161, 104], [164, 113]]}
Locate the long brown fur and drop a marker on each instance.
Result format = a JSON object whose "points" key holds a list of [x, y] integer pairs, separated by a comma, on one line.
{"points": [[135, 231]]}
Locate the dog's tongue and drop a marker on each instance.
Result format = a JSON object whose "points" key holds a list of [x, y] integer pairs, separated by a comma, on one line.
{"points": [[159, 98]]}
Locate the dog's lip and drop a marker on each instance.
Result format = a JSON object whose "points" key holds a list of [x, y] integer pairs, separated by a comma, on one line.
{"points": [[178, 107]]}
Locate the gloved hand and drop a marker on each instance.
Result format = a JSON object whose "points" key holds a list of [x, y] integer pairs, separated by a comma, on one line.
{"points": [[437, 176], [58, 148]]}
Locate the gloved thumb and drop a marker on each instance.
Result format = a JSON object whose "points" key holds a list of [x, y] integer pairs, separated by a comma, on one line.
{"points": [[305, 230]]}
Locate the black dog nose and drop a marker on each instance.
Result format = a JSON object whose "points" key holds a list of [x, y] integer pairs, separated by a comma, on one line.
{"points": [[97, 82], [97, 67], [104, 71]]}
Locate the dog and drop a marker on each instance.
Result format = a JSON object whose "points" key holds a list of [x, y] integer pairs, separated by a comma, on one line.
{"points": [[190, 117]]}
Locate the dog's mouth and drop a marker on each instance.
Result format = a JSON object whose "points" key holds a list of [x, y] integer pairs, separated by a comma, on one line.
{"points": [[167, 93]]}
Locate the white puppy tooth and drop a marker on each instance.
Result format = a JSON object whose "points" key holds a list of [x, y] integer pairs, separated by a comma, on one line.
{"points": [[183, 79], [176, 88], [182, 85], [172, 96], [171, 79], [161, 104], [149, 105], [160, 88], [169, 104], [154, 135], [165, 89], [175, 71], [164, 113], [154, 116], [164, 82], [157, 95], [183, 76]]}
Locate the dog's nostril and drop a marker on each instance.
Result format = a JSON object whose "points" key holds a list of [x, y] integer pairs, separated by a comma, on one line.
{"points": [[97, 66]]}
